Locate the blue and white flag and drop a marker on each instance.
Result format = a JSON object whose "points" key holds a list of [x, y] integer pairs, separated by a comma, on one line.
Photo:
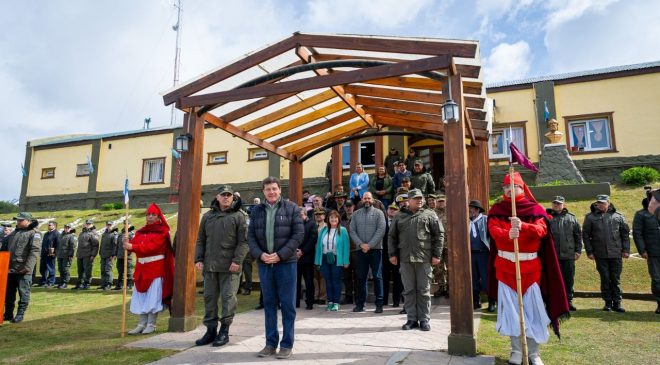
{"points": [[23, 171], [90, 165], [175, 154], [546, 112], [126, 191]]}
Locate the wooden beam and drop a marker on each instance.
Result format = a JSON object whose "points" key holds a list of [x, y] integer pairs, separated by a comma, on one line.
{"points": [[471, 71], [253, 107], [305, 145], [337, 168], [476, 114], [410, 125], [241, 65], [302, 120], [314, 129], [232, 129], [475, 102], [390, 45], [468, 125], [382, 92], [295, 182], [479, 172], [462, 337], [370, 73], [419, 117], [307, 56], [473, 87], [190, 190], [408, 83], [286, 111], [398, 104]]}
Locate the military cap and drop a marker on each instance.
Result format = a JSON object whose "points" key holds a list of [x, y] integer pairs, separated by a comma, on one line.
{"points": [[401, 197], [432, 196], [406, 178], [339, 194], [442, 197], [349, 203], [319, 211], [418, 162], [89, 221], [558, 199], [393, 206], [109, 223], [6, 225], [225, 189], [68, 225], [415, 193], [23, 216], [603, 198]]}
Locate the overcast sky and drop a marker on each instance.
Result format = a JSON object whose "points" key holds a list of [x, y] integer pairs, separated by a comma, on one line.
{"points": [[77, 66]]}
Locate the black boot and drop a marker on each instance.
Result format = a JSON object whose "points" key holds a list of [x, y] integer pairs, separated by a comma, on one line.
{"points": [[491, 305], [223, 336], [616, 306], [571, 307], [608, 306], [208, 336], [657, 310], [18, 318], [9, 314]]}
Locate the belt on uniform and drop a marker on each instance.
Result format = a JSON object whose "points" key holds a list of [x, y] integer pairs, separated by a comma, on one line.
{"points": [[148, 259], [511, 256]]}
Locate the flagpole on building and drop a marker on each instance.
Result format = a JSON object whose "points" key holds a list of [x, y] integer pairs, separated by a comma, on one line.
{"points": [[516, 250], [124, 279]]}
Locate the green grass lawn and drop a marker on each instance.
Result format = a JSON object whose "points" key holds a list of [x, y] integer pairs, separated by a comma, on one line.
{"points": [[65, 327]]}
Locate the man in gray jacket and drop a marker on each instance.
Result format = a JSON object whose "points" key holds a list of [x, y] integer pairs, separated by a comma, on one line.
{"points": [[605, 235], [108, 253], [567, 236], [66, 248], [646, 232], [88, 248], [220, 250], [24, 245], [367, 229]]}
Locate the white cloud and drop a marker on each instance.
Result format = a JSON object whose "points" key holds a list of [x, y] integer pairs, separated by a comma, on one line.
{"points": [[508, 62], [380, 13], [563, 11]]}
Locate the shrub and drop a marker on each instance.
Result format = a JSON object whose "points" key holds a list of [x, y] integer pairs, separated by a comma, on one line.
{"points": [[119, 205], [639, 175], [108, 206], [8, 207]]}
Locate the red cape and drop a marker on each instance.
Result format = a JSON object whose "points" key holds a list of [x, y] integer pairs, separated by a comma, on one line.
{"points": [[551, 282], [152, 240]]}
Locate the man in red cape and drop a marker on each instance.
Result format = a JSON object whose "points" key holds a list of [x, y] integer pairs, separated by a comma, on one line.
{"points": [[544, 297], [154, 271]]}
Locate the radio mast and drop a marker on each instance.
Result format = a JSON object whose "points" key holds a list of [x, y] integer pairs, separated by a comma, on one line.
{"points": [[177, 54]]}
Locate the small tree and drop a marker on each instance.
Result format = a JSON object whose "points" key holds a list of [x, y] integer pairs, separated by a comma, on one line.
{"points": [[640, 175]]}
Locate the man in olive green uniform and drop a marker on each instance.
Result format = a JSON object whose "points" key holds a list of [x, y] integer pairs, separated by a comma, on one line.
{"points": [[422, 180], [88, 248], [567, 235], [108, 253], [418, 235], [24, 246], [440, 271], [219, 252], [605, 235], [66, 248], [646, 232], [120, 261]]}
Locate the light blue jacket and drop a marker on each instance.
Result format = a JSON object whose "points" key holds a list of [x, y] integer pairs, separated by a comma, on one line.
{"points": [[359, 181], [342, 249]]}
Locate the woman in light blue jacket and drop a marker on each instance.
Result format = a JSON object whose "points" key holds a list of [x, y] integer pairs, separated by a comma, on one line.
{"points": [[332, 256], [359, 183]]}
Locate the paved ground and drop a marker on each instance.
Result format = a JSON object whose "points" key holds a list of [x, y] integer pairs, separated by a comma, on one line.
{"points": [[324, 338]]}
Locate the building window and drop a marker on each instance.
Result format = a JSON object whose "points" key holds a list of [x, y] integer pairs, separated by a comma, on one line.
{"points": [[82, 169], [498, 146], [257, 154], [48, 173], [590, 133], [366, 154], [217, 158], [153, 170]]}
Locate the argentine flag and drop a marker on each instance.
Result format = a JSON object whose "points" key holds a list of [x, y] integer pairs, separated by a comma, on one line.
{"points": [[126, 191]]}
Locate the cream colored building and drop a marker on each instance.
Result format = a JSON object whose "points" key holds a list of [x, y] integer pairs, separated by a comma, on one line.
{"points": [[609, 118]]}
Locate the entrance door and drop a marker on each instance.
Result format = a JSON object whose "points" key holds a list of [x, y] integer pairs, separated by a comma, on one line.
{"points": [[438, 169]]}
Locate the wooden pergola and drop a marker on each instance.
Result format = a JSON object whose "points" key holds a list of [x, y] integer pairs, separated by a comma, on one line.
{"points": [[310, 92]]}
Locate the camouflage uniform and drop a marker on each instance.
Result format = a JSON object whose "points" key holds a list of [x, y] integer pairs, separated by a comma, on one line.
{"points": [[440, 271], [88, 248], [107, 252], [66, 248]]}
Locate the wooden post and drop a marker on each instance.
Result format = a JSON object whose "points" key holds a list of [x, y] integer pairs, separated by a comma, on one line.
{"points": [[337, 168], [461, 339], [295, 181], [183, 301], [378, 147], [355, 155], [479, 173]]}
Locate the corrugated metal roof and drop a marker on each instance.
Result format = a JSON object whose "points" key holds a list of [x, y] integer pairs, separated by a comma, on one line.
{"points": [[92, 137], [570, 75]]}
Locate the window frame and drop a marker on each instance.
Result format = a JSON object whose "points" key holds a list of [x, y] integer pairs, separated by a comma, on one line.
{"points": [[144, 161], [210, 154], [84, 165], [251, 151], [360, 143], [586, 118], [44, 170], [503, 126]]}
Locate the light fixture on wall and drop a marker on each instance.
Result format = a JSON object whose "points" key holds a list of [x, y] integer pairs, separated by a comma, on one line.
{"points": [[182, 142], [450, 108]]}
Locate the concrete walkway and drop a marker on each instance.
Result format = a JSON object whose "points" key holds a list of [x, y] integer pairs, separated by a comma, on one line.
{"points": [[324, 338]]}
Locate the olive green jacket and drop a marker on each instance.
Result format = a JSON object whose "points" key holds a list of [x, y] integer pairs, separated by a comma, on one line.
{"points": [[418, 237], [24, 246], [605, 235], [88, 243], [66, 247], [566, 234], [646, 232], [423, 181], [108, 244], [222, 239]]}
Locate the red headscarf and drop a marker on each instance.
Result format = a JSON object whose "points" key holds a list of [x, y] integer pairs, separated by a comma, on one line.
{"points": [[517, 180], [155, 209]]}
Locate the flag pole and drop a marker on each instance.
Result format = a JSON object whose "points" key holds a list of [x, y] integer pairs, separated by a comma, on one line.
{"points": [[123, 296], [523, 337]]}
